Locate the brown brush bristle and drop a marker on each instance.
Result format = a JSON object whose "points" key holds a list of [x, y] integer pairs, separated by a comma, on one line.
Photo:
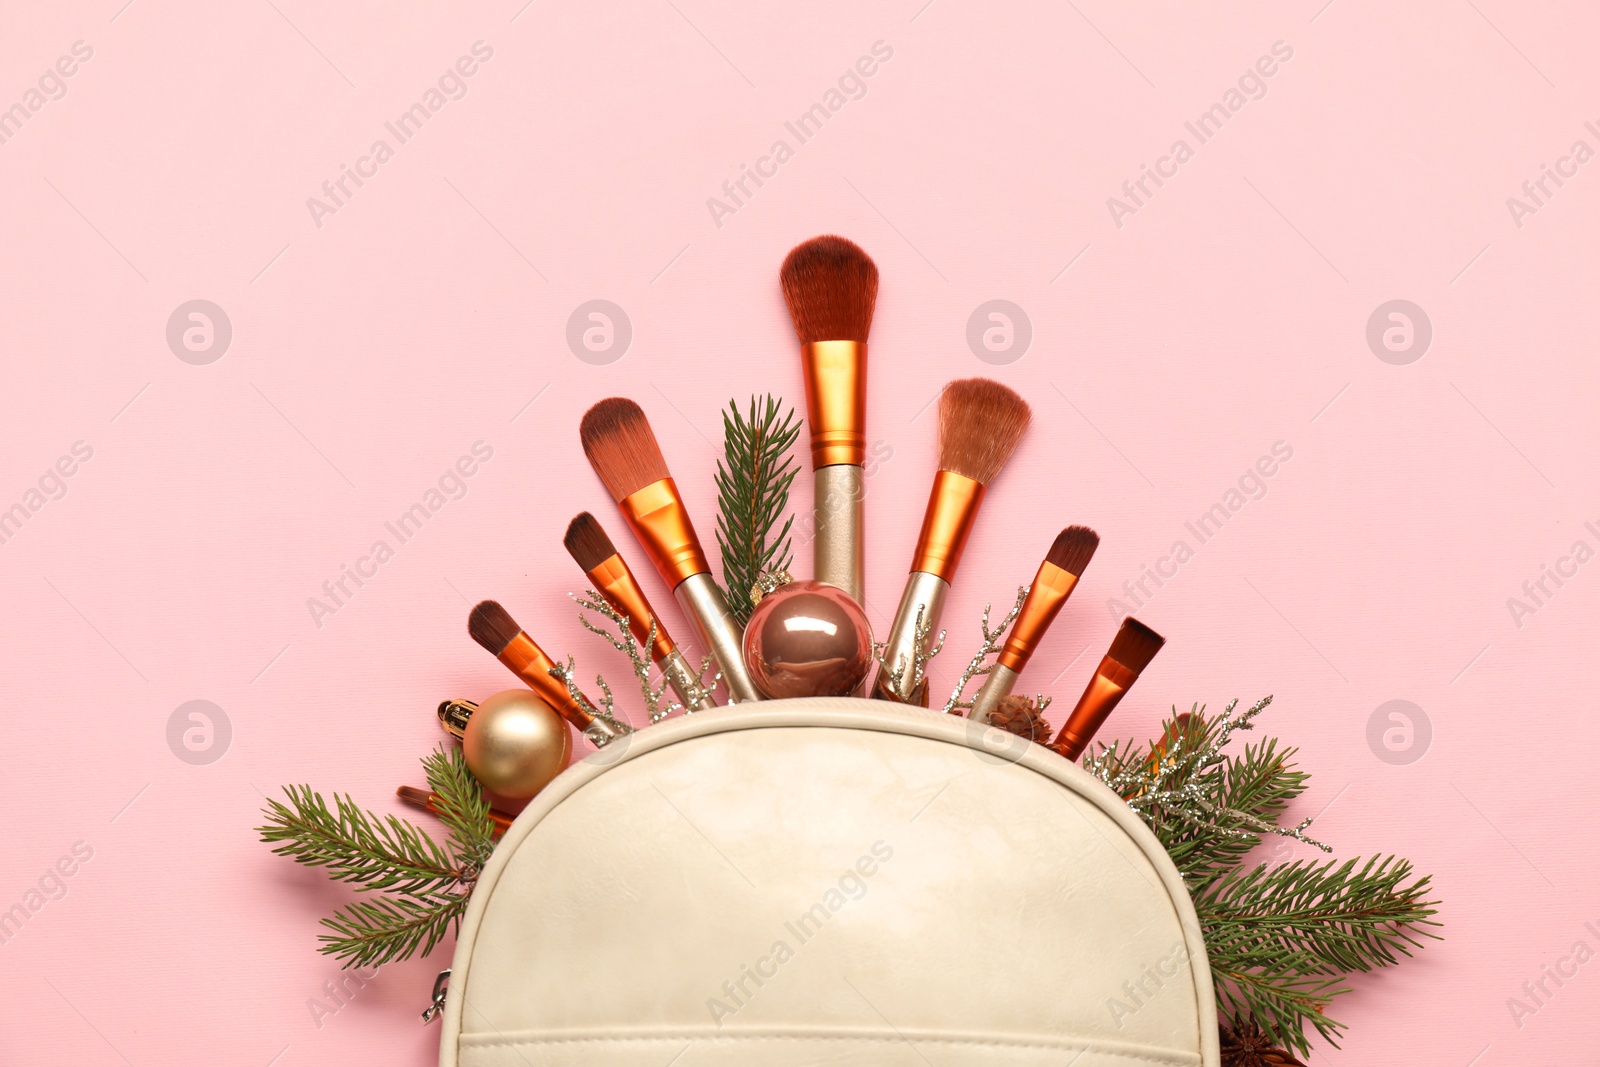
{"points": [[1073, 549], [1136, 645], [831, 287], [587, 542], [621, 446], [980, 423], [412, 795], [492, 627]]}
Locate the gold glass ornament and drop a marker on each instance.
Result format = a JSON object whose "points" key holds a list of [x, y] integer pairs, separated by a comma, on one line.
{"points": [[515, 743], [807, 639]]}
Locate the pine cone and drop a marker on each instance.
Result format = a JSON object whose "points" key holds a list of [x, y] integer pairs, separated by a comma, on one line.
{"points": [[1244, 1045], [1020, 716]]}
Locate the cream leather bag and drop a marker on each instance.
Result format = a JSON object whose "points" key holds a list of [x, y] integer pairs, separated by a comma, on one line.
{"points": [[828, 881]]}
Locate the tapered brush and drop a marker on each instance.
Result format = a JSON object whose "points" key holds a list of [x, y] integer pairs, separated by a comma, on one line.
{"points": [[831, 288], [1056, 579], [493, 627], [421, 798], [593, 551], [980, 424], [1131, 652], [622, 450]]}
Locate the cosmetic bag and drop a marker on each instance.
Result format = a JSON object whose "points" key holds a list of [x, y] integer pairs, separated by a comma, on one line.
{"points": [[828, 881]]}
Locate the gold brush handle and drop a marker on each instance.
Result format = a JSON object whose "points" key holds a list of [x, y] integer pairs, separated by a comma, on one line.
{"points": [[925, 593], [836, 550], [719, 633], [996, 687]]}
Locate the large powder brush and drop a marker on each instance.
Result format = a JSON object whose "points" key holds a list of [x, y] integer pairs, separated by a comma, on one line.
{"points": [[981, 423], [831, 289]]}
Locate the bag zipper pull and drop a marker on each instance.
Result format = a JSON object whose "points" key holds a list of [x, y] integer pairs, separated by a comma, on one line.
{"points": [[441, 985]]}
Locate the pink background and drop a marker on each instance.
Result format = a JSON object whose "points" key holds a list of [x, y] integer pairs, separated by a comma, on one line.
{"points": [[1168, 353]]}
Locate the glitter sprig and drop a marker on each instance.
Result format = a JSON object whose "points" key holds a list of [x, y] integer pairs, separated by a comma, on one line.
{"points": [[623, 641], [919, 660], [606, 727], [977, 667], [1182, 771]]}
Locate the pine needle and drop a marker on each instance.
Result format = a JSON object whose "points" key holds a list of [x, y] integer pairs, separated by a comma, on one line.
{"points": [[369, 933], [753, 481], [423, 885], [1280, 939]]}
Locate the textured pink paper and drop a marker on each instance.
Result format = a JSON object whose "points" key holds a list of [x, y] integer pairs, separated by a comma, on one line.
{"points": [[1176, 340]]}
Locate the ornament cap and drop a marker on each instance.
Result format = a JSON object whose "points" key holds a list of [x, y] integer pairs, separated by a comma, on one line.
{"points": [[768, 582]]}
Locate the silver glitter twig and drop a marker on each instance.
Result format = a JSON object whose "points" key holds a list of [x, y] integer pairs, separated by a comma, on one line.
{"points": [[976, 667], [919, 661], [606, 727], [1176, 782], [623, 641]]}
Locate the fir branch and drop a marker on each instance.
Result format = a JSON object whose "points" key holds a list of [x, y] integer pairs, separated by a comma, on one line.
{"points": [[753, 481], [357, 846], [371, 932], [1279, 939], [462, 807], [1343, 918]]}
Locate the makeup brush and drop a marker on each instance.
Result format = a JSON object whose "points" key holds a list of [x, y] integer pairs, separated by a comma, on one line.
{"points": [[493, 627], [831, 288], [593, 551], [623, 451], [980, 424], [421, 798], [1058, 575], [1131, 652]]}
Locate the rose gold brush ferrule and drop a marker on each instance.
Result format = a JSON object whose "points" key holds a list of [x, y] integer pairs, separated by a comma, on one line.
{"points": [[529, 662], [1046, 596], [946, 525], [836, 401], [1106, 689], [658, 519], [616, 583]]}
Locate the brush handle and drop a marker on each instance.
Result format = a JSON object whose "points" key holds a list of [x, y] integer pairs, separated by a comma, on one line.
{"points": [[685, 681], [924, 593], [996, 687], [720, 633], [836, 549]]}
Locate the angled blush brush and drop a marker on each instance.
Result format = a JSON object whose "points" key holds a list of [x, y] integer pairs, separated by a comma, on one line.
{"points": [[623, 451], [593, 551], [493, 627], [831, 288], [1058, 575], [1131, 652], [980, 425]]}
